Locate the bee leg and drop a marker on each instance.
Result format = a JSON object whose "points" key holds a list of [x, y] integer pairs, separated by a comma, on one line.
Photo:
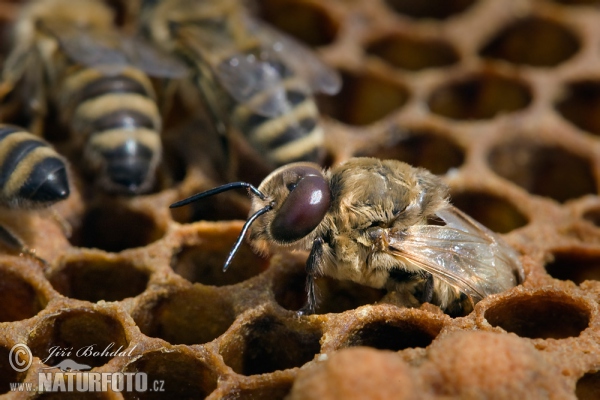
{"points": [[427, 294], [15, 243], [312, 266]]}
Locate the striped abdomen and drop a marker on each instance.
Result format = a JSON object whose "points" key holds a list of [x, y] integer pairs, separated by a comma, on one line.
{"points": [[32, 173], [118, 118], [296, 135]]}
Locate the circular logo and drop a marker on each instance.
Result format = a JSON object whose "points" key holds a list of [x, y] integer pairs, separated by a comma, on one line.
{"points": [[20, 357]]}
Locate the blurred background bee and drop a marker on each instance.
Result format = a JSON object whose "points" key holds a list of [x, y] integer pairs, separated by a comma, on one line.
{"points": [[256, 83], [379, 223], [32, 176], [68, 57]]}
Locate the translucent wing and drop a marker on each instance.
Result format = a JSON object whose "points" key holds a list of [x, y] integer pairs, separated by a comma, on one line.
{"points": [[463, 253], [320, 77], [245, 77], [108, 49], [151, 60], [242, 75]]}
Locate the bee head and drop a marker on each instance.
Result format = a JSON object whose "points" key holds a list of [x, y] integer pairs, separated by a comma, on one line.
{"points": [[300, 196], [288, 205]]}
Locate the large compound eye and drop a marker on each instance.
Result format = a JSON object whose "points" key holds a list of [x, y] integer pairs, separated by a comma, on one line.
{"points": [[303, 209]]}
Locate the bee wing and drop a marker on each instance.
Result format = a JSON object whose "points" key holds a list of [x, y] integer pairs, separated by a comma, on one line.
{"points": [[17, 64], [112, 51], [463, 253], [152, 60], [320, 77], [244, 77], [86, 46]]}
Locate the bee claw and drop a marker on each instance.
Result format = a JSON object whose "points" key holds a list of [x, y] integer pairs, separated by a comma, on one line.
{"points": [[306, 310]]}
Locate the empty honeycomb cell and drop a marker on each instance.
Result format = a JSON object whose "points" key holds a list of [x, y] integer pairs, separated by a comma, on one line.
{"points": [[543, 170], [114, 228], [193, 316], [308, 22], [421, 149], [95, 279], [412, 53], [82, 335], [19, 298], [533, 41], [551, 315], [8, 375], [574, 266], [204, 263], [252, 350], [436, 9], [183, 375], [364, 99], [495, 213], [480, 96], [336, 296], [580, 104], [333, 296], [394, 334], [588, 386]]}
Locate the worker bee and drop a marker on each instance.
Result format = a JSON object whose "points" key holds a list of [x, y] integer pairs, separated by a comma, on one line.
{"points": [[32, 175], [69, 55], [254, 80], [383, 224]]}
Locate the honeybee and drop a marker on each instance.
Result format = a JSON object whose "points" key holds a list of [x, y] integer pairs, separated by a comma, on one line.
{"points": [[70, 56], [32, 175], [371, 221], [253, 79]]}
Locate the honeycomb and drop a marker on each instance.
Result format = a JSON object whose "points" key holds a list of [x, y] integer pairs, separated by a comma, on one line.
{"points": [[500, 98]]}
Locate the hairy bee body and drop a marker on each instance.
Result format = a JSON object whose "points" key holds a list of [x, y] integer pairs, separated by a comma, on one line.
{"points": [[32, 173], [68, 55], [371, 221], [251, 79], [377, 231]]}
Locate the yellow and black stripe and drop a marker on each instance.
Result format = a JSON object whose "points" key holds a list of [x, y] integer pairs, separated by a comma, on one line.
{"points": [[294, 136], [118, 118], [32, 173]]}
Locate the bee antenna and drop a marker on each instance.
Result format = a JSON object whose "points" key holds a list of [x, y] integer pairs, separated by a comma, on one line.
{"points": [[245, 228], [217, 190]]}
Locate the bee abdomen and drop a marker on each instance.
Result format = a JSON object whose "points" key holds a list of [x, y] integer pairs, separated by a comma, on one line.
{"points": [[111, 84], [129, 162], [293, 136], [31, 172], [122, 119], [119, 116]]}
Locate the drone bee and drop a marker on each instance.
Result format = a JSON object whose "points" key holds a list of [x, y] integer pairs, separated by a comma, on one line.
{"points": [[32, 175], [370, 221], [253, 79], [70, 55]]}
